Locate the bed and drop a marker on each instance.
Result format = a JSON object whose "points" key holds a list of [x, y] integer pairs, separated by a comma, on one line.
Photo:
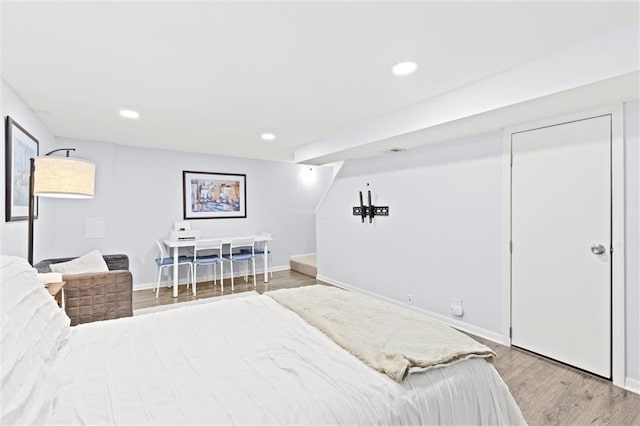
{"points": [[247, 360]]}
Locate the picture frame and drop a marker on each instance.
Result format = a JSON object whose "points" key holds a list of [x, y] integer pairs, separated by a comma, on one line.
{"points": [[20, 147], [208, 195]]}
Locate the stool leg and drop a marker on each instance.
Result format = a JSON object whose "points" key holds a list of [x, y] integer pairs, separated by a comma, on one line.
{"points": [[232, 289], [253, 262], [222, 276], [195, 282], [192, 272], [158, 282], [189, 276]]}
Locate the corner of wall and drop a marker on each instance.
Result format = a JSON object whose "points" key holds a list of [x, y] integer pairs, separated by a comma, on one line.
{"points": [[632, 385], [337, 167], [14, 234]]}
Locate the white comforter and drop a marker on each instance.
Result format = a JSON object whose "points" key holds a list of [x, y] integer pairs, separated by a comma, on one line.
{"points": [[250, 361], [389, 338]]}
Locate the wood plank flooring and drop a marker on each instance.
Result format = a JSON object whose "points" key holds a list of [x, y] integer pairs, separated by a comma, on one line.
{"points": [[547, 392], [281, 279]]}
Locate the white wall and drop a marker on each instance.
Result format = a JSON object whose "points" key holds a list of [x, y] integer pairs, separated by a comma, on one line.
{"points": [[442, 239], [445, 211], [13, 235], [139, 194]]}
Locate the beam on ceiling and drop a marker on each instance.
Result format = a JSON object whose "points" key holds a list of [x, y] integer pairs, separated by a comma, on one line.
{"points": [[604, 57]]}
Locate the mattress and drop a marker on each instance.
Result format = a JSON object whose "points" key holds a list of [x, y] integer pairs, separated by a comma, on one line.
{"points": [[251, 361]]}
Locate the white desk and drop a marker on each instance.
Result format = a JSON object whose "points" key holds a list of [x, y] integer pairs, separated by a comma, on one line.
{"points": [[175, 245]]}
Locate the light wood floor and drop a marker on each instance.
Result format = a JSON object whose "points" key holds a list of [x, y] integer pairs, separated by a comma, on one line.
{"points": [[281, 279], [548, 393]]}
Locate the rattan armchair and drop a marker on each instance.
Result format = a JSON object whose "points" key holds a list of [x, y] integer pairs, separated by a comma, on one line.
{"points": [[97, 296]]}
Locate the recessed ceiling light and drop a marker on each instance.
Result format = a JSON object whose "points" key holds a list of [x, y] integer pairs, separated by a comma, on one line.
{"points": [[129, 113], [404, 68], [268, 136]]}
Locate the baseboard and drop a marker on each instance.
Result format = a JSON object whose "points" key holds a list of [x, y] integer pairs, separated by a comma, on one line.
{"points": [[281, 268], [152, 286], [632, 385], [209, 277], [460, 325], [302, 255], [146, 286]]}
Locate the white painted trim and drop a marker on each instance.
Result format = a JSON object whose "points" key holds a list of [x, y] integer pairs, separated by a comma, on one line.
{"points": [[463, 326], [260, 269], [305, 254], [506, 237], [147, 286], [618, 260], [280, 268], [166, 283], [618, 355], [632, 385]]}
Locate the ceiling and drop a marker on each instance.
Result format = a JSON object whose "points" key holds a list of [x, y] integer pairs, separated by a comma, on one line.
{"points": [[210, 77]]}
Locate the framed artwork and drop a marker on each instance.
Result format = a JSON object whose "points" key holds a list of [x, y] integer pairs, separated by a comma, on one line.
{"points": [[214, 195], [20, 147]]}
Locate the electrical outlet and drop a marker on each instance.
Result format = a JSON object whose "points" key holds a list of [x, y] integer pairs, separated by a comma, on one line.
{"points": [[456, 308], [409, 298]]}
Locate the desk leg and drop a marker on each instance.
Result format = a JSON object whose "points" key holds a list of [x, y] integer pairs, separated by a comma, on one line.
{"points": [[175, 272], [265, 258]]}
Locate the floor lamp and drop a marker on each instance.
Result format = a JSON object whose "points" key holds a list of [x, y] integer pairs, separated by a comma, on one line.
{"points": [[58, 177]]}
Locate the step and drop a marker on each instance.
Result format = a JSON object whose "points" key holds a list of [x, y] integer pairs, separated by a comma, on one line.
{"points": [[305, 264]]}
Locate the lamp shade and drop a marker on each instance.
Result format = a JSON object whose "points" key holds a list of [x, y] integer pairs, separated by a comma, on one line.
{"points": [[64, 177]]}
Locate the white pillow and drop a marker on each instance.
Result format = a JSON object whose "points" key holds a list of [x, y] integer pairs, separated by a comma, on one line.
{"points": [[90, 262]]}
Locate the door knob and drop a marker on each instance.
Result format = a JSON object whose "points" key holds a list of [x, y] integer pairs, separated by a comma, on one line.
{"points": [[598, 249]]}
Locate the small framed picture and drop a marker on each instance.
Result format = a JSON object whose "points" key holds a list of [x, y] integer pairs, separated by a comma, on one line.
{"points": [[20, 147], [214, 195]]}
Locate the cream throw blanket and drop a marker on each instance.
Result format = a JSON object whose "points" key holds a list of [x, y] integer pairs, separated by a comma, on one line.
{"points": [[384, 336]]}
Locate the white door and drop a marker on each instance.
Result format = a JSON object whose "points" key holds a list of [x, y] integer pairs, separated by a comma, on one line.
{"points": [[561, 239]]}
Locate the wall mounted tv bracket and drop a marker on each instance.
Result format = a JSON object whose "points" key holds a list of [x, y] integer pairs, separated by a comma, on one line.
{"points": [[370, 210]]}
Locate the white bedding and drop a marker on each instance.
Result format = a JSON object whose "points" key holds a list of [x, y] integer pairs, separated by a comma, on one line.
{"points": [[389, 338], [250, 361]]}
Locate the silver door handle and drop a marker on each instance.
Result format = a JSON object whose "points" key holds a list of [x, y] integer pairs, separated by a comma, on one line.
{"points": [[598, 249]]}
